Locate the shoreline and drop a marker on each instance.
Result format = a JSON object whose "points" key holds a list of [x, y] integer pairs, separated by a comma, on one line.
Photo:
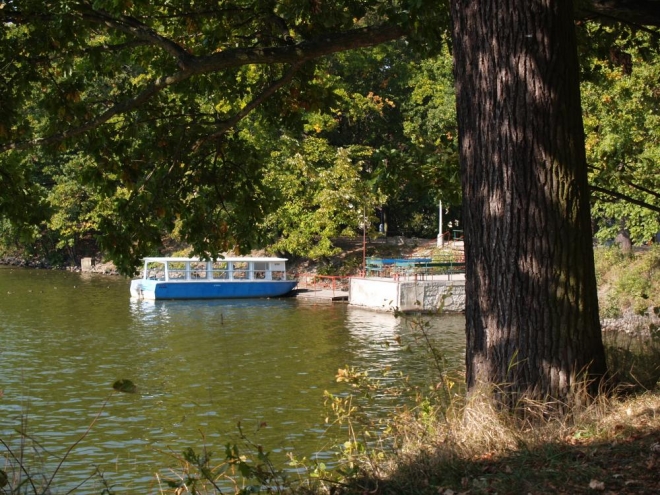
{"points": [[629, 323], [107, 268]]}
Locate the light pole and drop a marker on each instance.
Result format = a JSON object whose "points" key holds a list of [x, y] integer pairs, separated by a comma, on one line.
{"points": [[440, 236]]}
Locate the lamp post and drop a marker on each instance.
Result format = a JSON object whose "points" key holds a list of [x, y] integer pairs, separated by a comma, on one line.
{"points": [[440, 236]]}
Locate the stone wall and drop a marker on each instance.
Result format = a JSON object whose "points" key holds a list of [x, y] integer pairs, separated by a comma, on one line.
{"points": [[432, 296]]}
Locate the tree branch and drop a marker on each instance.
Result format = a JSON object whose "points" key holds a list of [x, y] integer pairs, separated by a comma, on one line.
{"points": [[291, 54], [120, 108], [137, 29], [294, 55], [629, 183], [643, 189], [625, 197], [258, 100]]}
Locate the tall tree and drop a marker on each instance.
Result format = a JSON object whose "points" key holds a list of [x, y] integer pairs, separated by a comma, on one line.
{"points": [[531, 305]]}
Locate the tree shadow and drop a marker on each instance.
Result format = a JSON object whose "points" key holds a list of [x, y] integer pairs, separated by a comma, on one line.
{"points": [[627, 465]]}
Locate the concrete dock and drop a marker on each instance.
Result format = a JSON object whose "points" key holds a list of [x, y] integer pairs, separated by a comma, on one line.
{"points": [[429, 294]]}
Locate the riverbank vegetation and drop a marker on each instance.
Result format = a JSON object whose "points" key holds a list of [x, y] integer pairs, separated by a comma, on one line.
{"points": [[445, 442]]}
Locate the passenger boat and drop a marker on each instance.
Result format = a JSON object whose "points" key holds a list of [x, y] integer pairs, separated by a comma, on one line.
{"points": [[192, 278]]}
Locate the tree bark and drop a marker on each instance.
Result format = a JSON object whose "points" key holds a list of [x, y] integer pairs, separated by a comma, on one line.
{"points": [[532, 319]]}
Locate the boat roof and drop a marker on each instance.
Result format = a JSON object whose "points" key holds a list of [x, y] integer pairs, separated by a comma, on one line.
{"points": [[163, 259]]}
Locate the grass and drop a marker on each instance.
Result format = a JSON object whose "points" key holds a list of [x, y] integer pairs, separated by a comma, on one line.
{"points": [[611, 446], [634, 359], [465, 445], [20, 468]]}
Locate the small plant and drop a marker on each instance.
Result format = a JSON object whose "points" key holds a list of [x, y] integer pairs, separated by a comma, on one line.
{"points": [[242, 472], [607, 259], [326, 268], [372, 442]]}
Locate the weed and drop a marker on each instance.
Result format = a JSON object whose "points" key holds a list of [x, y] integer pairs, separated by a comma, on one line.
{"points": [[372, 444], [245, 468], [449, 441]]}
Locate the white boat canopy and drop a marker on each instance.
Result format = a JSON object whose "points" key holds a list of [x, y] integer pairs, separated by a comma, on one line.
{"points": [[228, 268]]}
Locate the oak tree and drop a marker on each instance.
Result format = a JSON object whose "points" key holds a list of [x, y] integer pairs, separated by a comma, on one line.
{"points": [[531, 299]]}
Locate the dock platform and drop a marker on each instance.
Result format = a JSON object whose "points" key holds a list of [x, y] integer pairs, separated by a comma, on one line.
{"points": [[410, 294], [322, 294]]}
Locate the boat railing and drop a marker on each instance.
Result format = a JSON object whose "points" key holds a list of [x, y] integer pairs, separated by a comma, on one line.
{"points": [[414, 267], [219, 270]]}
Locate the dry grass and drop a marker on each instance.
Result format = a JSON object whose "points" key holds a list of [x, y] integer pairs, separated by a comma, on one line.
{"points": [[611, 446]]}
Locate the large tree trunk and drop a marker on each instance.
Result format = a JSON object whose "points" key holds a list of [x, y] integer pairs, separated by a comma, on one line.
{"points": [[532, 307]]}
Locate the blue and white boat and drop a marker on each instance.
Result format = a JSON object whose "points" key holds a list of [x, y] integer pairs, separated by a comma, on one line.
{"points": [[227, 278]]}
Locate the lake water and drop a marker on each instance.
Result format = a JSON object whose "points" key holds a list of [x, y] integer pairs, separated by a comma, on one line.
{"points": [[201, 368]]}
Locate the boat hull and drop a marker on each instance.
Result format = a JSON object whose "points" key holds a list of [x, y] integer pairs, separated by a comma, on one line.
{"points": [[157, 289]]}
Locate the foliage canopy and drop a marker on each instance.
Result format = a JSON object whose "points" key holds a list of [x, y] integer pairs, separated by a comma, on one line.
{"points": [[130, 120], [134, 119]]}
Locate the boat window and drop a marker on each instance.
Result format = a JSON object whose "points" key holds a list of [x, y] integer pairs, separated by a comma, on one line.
{"points": [[241, 270], [155, 271], [177, 270], [278, 270], [220, 270], [260, 269], [198, 269]]}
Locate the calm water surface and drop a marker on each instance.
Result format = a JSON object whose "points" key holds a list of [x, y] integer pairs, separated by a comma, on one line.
{"points": [[201, 367]]}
